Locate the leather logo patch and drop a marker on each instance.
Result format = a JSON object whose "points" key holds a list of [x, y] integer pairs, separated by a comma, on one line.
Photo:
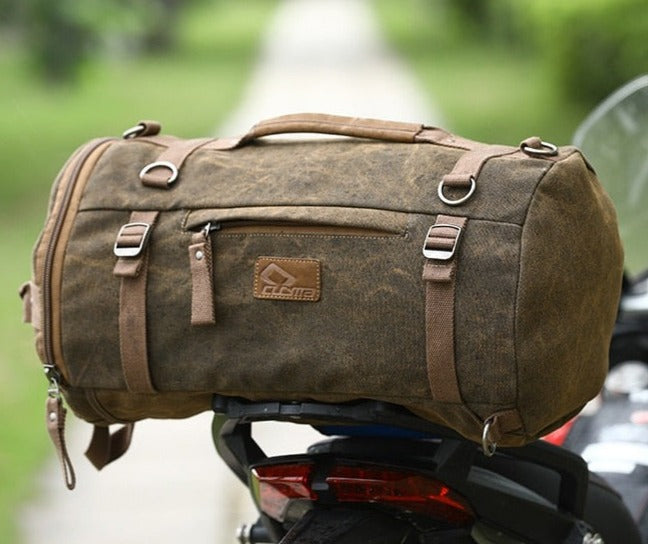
{"points": [[282, 278]]}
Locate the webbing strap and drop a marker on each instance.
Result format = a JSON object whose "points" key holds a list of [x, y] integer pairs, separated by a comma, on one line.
{"points": [[163, 172], [466, 171], [105, 446], [439, 273], [131, 267]]}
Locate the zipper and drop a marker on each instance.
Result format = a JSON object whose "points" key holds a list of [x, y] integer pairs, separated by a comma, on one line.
{"points": [[284, 227], [304, 220], [52, 372], [277, 221]]}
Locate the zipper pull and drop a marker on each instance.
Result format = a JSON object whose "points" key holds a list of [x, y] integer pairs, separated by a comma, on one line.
{"points": [[202, 280], [55, 419]]}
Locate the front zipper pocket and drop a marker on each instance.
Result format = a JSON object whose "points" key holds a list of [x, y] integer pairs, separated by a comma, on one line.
{"points": [[302, 273], [309, 220]]}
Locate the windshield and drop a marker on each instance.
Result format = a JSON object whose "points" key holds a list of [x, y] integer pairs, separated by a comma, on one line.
{"points": [[614, 138]]}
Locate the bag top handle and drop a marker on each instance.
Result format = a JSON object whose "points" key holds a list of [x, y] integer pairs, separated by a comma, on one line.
{"points": [[391, 131]]}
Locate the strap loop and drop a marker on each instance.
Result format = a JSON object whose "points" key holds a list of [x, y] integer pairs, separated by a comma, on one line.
{"points": [[467, 169], [439, 273], [156, 174], [132, 269], [105, 447], [143, 128]]}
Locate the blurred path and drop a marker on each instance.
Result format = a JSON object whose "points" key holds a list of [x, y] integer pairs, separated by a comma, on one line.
{"points": [[328, 56], [318, 55]]}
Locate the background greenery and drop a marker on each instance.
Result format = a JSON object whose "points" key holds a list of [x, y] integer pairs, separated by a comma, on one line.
{"points": [[190, 84], [500, 70]]}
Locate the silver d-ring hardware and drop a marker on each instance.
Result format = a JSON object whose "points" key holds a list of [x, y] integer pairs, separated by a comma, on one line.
{"points": [[161, 164], [450, 202], [546, 149], [488, 444], [133, 132]]}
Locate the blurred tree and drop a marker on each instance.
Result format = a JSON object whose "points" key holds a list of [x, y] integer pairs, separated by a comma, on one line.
{"points": [[62, 34], [159, 35], [59, 41], [588, 47]]}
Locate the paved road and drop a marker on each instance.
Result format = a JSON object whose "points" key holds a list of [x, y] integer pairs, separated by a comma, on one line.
{"points": [[318, 55]]}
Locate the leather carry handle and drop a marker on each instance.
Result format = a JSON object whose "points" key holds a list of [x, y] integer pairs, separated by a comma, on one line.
{"points": [[338, 125], [391, 131]]}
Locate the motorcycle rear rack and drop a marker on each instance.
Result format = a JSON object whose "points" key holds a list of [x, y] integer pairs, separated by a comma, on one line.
{"points": [[455, 455]]}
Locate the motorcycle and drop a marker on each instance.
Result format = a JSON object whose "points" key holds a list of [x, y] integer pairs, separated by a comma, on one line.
{"points": [[382, 475]]}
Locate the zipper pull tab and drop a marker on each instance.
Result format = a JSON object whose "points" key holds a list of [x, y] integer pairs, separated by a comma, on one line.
{"points": [[55, 419], [202, 280]]}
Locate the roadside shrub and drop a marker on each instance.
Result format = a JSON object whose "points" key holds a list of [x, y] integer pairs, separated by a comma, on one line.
{"points": [[590, 47]]}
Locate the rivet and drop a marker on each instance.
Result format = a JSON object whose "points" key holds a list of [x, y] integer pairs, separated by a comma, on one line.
{"points": [[52, 416], [199, 255]]}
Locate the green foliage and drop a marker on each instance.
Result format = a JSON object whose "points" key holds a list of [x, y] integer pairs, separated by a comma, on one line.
{"points": [[588, 47], [486, 89], [62, 35], [501, 69], [592, 47]]}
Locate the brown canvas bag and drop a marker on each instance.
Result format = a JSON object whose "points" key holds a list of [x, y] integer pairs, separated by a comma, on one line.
{"points": [[474, 284]]}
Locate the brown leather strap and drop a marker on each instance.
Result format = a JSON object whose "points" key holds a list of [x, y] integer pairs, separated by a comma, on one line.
{"points": [[141, 129], [335, 124], [439, 273], [162, 173], [355, 127], [132, 248], [202, 281], [439, 136], [105, 446], [466, 171], [55, 420]]}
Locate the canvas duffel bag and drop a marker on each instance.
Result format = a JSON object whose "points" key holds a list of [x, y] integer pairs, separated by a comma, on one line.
{"points": [[473, 284]]}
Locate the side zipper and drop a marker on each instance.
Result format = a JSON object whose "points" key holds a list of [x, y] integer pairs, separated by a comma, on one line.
{"points": [[55, 411]]}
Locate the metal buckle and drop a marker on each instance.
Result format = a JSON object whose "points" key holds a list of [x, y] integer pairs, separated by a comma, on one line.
{"points": [[441, 254], [161, 164], [451, 202], [121, 250]]}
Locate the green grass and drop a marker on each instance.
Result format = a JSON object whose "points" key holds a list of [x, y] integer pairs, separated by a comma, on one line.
{"points": [[487, 90], [189, 91]]}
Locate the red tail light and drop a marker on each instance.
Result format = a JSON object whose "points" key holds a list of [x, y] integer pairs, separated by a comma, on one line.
{"points": [[405, 490], [277, 485]]}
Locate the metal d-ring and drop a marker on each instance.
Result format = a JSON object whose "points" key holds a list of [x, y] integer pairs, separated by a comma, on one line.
{"points": [[134, 132], [162, 164], [458, 201], [488, 444], [546, 149]]}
